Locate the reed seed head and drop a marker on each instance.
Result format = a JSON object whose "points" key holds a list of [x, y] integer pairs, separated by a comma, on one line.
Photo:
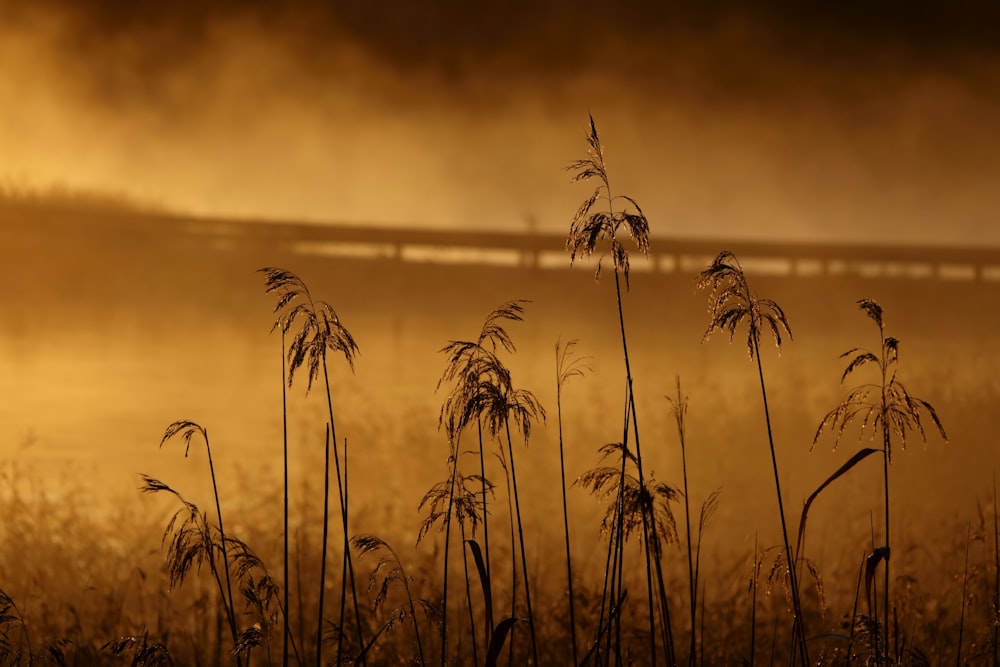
{"points": [[885, 406], [320, 327], [589, 229], [731, 302]]}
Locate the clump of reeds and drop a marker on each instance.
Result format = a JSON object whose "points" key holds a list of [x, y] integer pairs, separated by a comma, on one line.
{"points": [[631, 502], [483, 392], [192, 540], [885, 408], [190, 534], [388, 571], [320, 331], [453, 498], [594, 231]]}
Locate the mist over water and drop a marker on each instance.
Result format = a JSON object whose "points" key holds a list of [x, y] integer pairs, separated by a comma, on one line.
{"points": [[725, 123]]}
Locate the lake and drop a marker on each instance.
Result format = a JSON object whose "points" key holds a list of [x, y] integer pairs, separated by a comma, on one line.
{"points": [[114, 324]]}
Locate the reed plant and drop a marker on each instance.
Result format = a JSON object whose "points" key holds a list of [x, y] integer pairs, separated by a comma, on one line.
{"points": [[191, 540], [447, 500], [388, 571], [594, 231], [320, 331], [286, 582], [731, 303], [885, 408], [484, 392], [501, 408], [469, 364]]}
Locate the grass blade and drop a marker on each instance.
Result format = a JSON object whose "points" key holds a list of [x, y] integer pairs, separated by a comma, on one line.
{"points": [[841, 471]]}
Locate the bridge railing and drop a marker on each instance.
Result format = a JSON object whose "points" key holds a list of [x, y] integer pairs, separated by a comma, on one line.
{"points": [[526, 250], [546, 251]]}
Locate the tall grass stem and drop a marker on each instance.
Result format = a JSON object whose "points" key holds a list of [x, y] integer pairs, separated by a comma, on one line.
{"points": [[284, 440], [322, 562], [798, 625]]}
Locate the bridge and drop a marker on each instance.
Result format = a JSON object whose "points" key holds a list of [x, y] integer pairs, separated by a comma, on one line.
{"points": [[516, 249], [667, 255]]}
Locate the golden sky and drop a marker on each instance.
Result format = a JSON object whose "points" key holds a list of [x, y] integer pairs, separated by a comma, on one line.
{"points": [[848, 122]]}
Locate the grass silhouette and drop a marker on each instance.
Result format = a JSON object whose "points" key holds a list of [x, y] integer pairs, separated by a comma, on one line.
{"points": [[207, 597]]}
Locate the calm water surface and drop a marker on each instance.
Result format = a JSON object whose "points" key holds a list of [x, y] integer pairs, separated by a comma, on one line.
{"points": [[105, 339]]}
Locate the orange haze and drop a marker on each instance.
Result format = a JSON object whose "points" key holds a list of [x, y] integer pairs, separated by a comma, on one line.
{"points": [[766, 123]]}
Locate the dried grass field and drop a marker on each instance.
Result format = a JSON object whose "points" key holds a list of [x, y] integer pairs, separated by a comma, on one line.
{"points": [[118, 324]]}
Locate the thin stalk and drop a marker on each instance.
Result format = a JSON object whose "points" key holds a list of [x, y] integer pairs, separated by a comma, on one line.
{"points": [[965, 581], [608, 591], [697, 569], [343, 502], [753, 604], [854, 613], [214, 568], [885, 563], [413, 615], [284, 434], [222, 539], [346, 550], [486, 522], [447, 544], [322, 562], [617, 563], [665, 628], [562, 479], [468, 597], [692, 581], [618, 541], [222, 601], [798, 625], [520, 535], [642, 482], [873, 601], [513, 560]]}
